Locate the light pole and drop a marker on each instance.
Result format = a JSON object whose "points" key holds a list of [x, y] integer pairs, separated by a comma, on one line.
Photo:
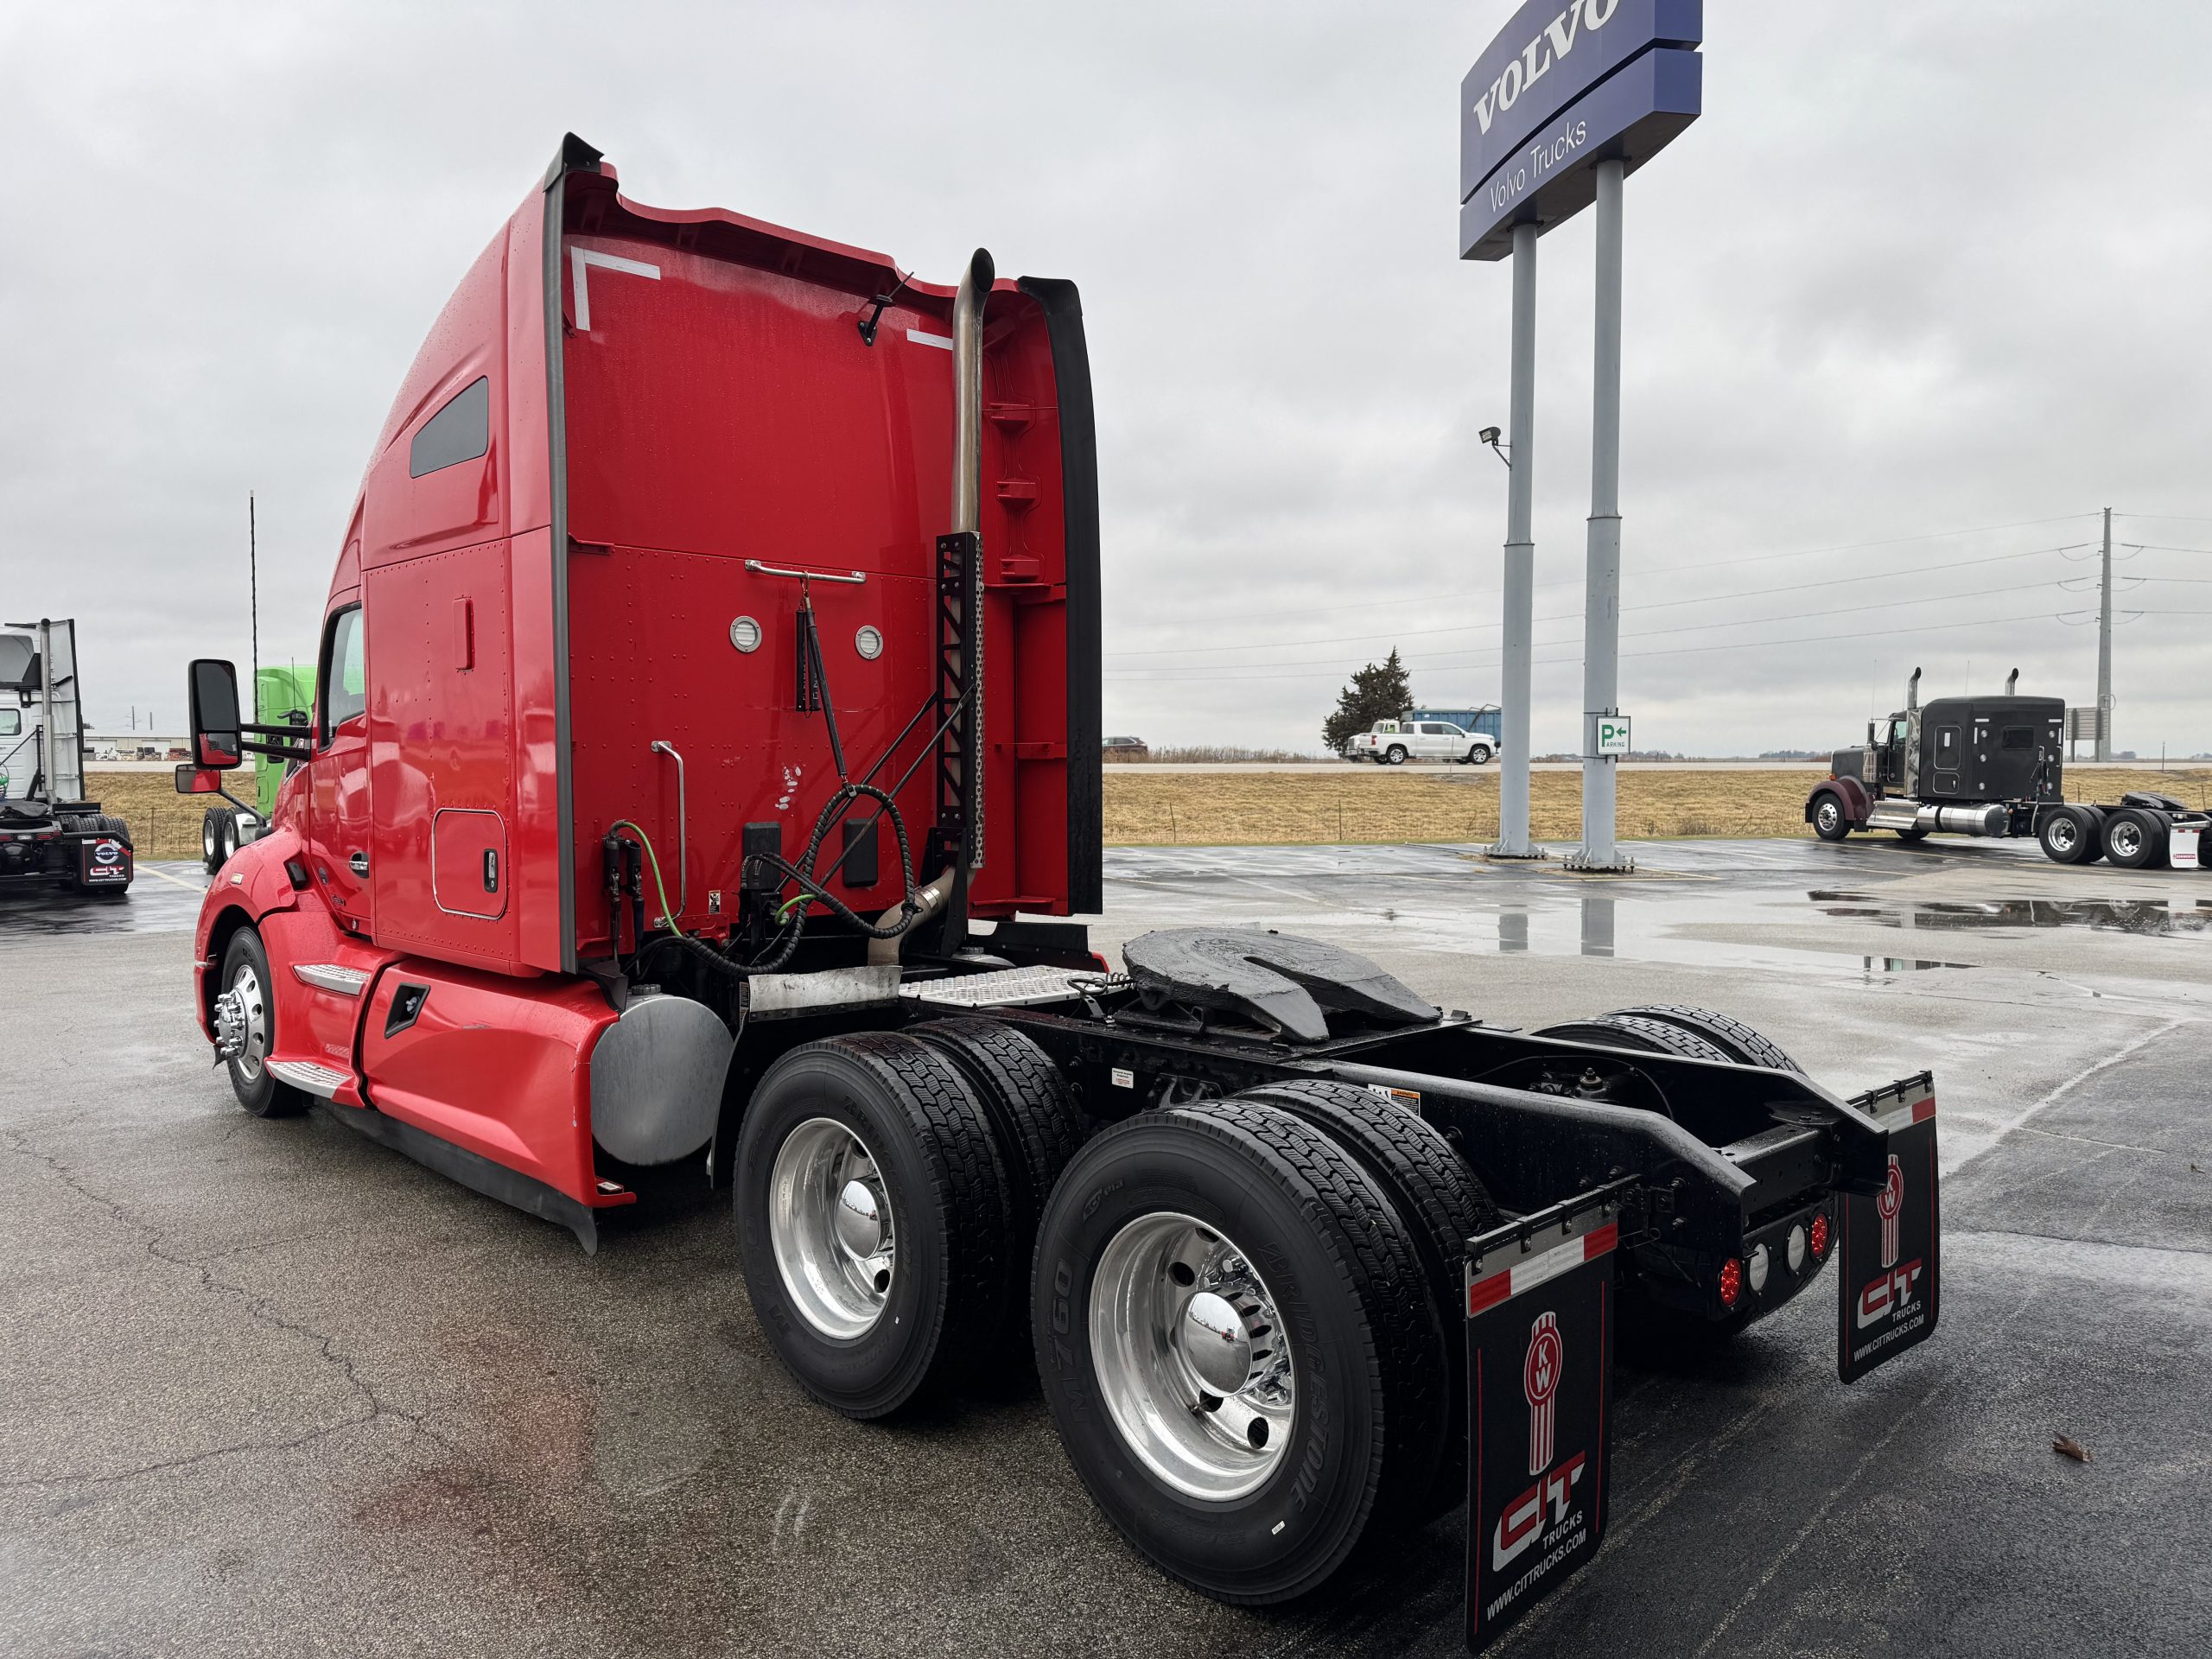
{"points": [[1520, 583]]}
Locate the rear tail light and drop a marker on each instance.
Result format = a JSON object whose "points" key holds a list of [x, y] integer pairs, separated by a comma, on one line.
{"points": [[1731, 1282], [1820, 1237]]}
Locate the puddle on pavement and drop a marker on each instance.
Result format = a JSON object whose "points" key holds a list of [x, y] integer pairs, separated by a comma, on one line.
{"points": [[2154, 917], [156, 902], [1601, 924]]}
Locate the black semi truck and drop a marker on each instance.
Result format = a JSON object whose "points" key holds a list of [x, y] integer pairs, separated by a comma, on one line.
{"points": [[50, 835], [1993, 766]]}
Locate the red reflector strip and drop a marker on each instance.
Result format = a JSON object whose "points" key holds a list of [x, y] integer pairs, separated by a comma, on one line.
{"points": [[1905, 1113], [1493, 1288]]}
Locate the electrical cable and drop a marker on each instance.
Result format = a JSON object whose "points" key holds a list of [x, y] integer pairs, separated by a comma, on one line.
{"points": [[1649, 605]]}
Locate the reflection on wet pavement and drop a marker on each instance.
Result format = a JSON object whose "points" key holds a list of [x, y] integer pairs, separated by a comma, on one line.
{"points": [[2149, 916], [164, 897]]}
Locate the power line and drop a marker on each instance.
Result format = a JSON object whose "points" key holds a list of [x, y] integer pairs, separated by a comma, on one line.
{"points": [[1678, 651], [1652, 605], [1647, 633], [1709, 564]]}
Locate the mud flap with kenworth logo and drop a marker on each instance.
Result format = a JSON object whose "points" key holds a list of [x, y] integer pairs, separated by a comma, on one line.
{"points": [[1887, 1278], [1540, 1337]]}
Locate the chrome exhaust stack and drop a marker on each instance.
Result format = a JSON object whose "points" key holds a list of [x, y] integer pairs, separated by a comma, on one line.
{"points": [[960, 626], [2010, 681], [1912, 692], [968, 390]]}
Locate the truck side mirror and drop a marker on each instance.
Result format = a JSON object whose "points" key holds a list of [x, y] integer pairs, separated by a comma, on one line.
{"points": [[213, 687], [198, 780]]}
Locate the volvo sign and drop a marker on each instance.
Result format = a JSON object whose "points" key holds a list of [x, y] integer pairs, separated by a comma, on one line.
{"points": [[1567, 84], [1571, 98]]}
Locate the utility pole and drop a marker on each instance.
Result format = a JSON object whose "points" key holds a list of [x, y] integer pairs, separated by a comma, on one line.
{"points": [[2104, 649], [1520, 576]]}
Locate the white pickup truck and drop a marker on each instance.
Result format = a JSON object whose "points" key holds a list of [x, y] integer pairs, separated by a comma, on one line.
{"points": [[1393, 742]]}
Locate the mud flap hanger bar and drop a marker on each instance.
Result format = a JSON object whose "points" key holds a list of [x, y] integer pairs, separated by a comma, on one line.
{"points": [[1527, 1233]]}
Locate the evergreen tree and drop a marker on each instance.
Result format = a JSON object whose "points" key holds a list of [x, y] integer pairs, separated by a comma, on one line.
{"points": [[1381, 690]]}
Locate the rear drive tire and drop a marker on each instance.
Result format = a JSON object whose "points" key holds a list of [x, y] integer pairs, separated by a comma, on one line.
{"points": [[1037, 1126], [1829, 820], [1234, 1219], [871, 1215], [2096, 835], [245, 974], [1441, 1204], [1638, 1031], [2135, 839], [2068, 834], [226, 838], [1395, 755], [1732, 1037]]}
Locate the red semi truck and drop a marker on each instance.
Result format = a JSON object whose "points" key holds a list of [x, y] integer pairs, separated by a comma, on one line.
{"points": [[703, 761]]}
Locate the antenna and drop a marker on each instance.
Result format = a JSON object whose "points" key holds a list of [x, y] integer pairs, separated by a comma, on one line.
{"points": [[253, 600]]}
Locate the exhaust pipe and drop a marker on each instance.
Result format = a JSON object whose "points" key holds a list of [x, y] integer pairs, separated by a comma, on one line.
{"points": [[933, 898], [1912, 692], [966, 767], [968, 305], [2011, 680], [968, 390]]}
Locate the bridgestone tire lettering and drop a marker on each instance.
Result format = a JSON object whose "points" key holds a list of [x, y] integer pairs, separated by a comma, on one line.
{"points": [[1441, 1204]]}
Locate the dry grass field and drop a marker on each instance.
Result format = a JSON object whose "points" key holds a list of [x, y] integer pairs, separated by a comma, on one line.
{"points": [[1455, 803], [1374, 803], [163, 823]]}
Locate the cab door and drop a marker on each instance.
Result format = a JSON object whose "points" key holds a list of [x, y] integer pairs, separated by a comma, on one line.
{"points": [[338, 821]]}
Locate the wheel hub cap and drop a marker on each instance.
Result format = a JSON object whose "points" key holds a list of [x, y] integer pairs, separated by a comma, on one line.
{"points": [[230, 1025], [1193, 1365], [242, 1022], [1216, 1342], [831, 1227], [860, 1219]]}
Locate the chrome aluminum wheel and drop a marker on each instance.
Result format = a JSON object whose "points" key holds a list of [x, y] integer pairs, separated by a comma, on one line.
{"points": [[1829, 813], [830, 1224], [2061, 835], [1193, 1363], [2126, 839], [242, 1022]]}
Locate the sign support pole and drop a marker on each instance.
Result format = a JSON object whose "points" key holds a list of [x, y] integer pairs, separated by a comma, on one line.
{"points": [[1601, 626], [1520, 583]]}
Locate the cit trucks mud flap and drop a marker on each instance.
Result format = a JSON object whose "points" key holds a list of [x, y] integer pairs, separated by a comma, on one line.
{"points": [[1887, 1276], [1539, 1354], [1540, 1331]]}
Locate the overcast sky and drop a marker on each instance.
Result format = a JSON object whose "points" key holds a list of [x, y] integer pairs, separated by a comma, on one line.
{"points": [[1923, 287]]}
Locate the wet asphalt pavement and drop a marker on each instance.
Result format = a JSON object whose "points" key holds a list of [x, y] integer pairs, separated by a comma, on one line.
{"points": [[270, 1388]]}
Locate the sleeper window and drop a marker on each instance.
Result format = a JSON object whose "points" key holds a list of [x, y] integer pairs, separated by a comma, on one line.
{"points": [[461, 431]]}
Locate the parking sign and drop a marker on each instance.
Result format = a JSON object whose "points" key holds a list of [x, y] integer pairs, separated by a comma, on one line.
{"points": [[1609, 734]]}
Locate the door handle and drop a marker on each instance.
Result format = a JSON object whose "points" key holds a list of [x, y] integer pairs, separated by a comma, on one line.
{"points": [[491, 869], [358, 862]]}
